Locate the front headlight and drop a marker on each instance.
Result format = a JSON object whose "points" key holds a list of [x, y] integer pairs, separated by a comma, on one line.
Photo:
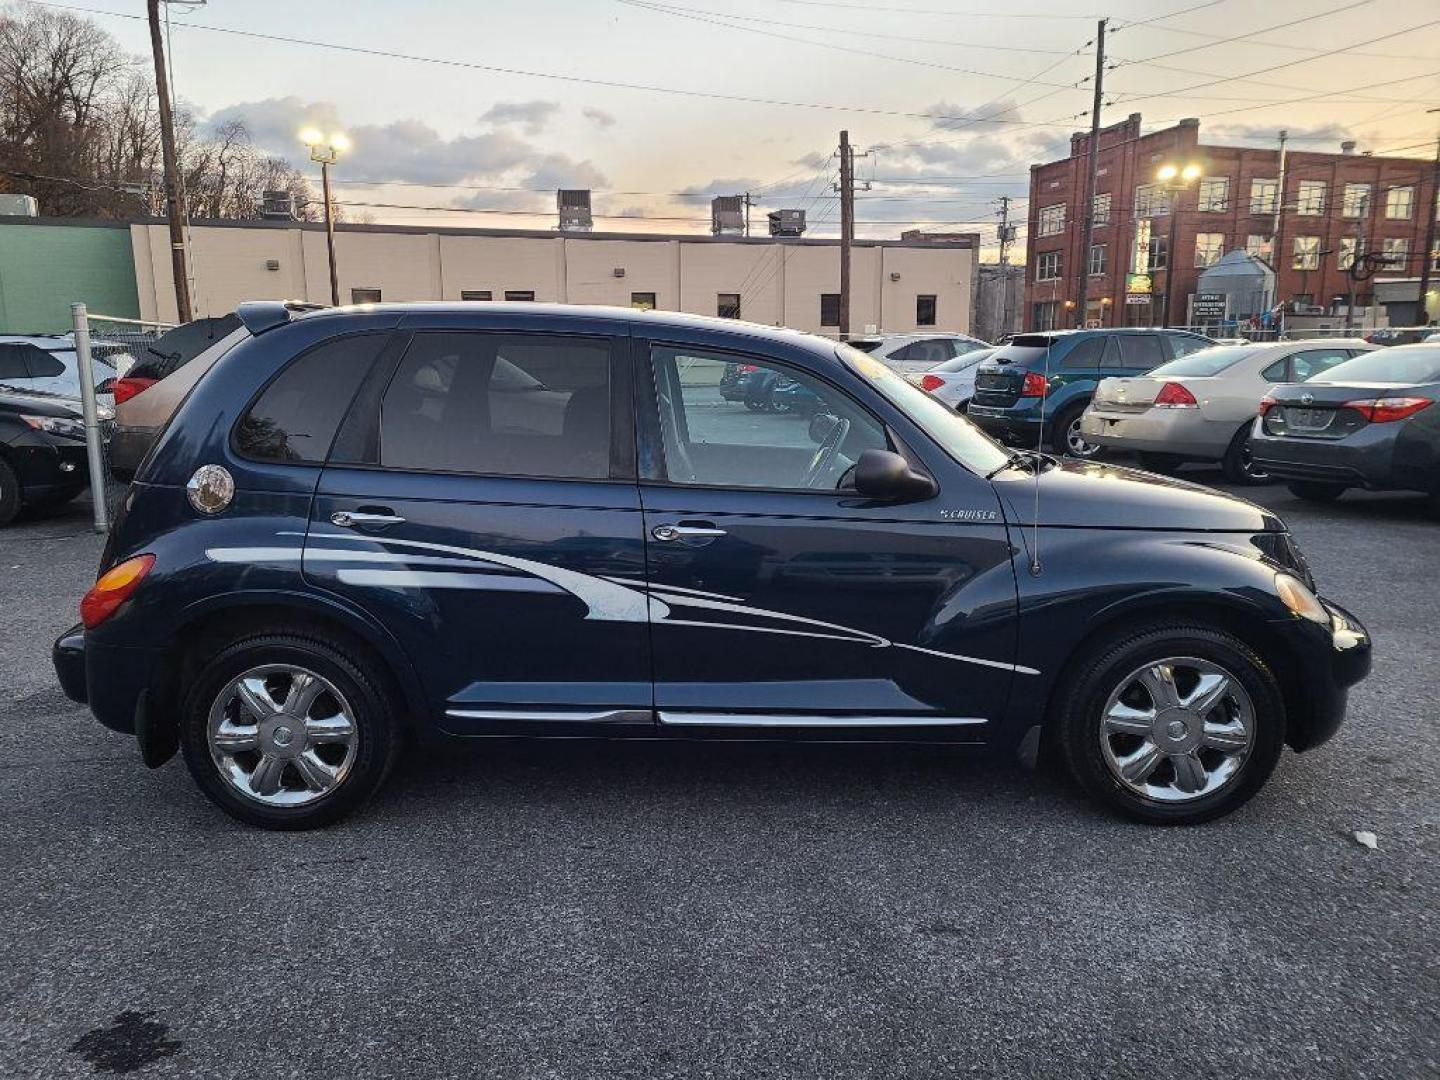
{"points": [[57, 425], [1298, 598]]}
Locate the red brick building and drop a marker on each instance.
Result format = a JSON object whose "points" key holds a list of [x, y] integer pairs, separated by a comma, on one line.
{"points": [[1332, 201]]}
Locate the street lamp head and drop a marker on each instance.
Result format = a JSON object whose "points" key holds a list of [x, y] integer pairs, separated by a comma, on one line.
{"points": [[1166, 172], [1190, 172], [312, 136], [325, 148], [340, 142]]}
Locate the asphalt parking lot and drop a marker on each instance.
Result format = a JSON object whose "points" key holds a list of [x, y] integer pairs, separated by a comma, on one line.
{"points": [[575, 910]]}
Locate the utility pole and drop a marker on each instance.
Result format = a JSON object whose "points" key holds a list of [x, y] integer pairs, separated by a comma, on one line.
{"points": [[847, 228], [174, 197], [1277, 238], [1428, 254], [747, 213], [1002, 324], [1355, 256], [1082, 273]]}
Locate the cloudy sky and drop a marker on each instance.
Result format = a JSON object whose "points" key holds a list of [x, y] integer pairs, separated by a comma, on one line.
{"points": [[458, 109]]}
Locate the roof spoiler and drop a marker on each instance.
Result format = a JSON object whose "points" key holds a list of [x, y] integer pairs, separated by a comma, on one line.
{"points": [[261, 315]]}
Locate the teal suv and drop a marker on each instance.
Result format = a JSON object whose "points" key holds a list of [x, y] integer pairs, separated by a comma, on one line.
{"points": [[1033, 391]]}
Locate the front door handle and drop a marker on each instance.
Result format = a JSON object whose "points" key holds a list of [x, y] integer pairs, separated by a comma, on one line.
{"points": [[350, 519], [668, 533]]}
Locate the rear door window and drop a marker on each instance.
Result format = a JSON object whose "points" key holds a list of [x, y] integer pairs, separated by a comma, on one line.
{"points": [[500, 404], [1086, 354], [1312, 362], [13, 369], [295, 417], [1184, 344], [1140, 352]]}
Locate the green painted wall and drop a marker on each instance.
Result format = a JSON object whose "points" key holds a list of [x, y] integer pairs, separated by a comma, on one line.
{"points": [[46, 268]]}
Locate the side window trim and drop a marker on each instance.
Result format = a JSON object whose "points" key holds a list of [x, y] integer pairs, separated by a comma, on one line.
{"points": [[650, 430]]}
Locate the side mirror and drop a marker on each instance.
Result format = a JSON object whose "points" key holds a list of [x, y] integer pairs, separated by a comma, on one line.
{"points": [[885, 475]]}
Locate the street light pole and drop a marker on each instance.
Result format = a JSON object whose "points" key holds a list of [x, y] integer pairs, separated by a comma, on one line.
{"points": [[1175, 178], [325, 150], [1428, 254]]}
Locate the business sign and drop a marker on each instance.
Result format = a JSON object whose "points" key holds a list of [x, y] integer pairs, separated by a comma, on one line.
{"points": [[1208, 305], [1137, 298], [1137, 283]]}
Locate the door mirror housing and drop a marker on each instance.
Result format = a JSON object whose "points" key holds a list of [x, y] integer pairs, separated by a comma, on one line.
{"points": [[885, 475]]}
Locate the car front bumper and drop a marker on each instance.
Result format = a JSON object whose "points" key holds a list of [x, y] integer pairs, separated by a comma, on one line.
{"points": [[1185, 432], [1328, 661]]}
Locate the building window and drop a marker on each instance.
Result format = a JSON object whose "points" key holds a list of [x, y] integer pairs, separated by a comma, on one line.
{"points": [[1215, 194], [1357, 200], [1047, 266], [1209, 246], [1259, 247], [1307, 253], [1435, 257], [1263, 196], [1052, 220], [476, 294], [364, 296], [1347, 253], [642, 301], [1396, 251], [1157, 254], [1310, 202], [924, 311], [727, 305], [1047, 315], [829, 309], [1101, 209], [1400, 203], [1151, 200], [1097, 259], [520, 295]]}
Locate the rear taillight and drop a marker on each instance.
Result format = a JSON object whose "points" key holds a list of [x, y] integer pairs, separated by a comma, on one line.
{"points": [[746, 369], [1266, 404], [1384, 410], [1034, 385], [931, 382], [115, 586], [106, 387], [1174, 396], [127, 387]]}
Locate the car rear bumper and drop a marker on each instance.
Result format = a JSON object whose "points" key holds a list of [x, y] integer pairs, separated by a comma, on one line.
{"points": [[1161, 431], [128, 447], [112, 679], [1329, 660], [1363, 459], [1004, 425]]}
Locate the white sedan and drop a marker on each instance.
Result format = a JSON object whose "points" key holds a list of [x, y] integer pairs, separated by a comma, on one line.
{"points": [[953, 382], [911, 354]]}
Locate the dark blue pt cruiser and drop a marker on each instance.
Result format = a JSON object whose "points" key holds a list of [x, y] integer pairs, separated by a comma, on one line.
{"points": [[484, 520]]}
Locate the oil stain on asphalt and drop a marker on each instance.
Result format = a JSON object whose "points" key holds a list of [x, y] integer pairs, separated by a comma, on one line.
{"points": [[129, 1042]]}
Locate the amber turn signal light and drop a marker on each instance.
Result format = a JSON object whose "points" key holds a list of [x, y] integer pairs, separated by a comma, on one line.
{"points": [[115, 586]]}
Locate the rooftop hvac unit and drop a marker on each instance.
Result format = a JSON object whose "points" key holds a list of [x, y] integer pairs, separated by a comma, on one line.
{"points": [[787, 222], [574, 207], [19, 206], [727, 215], [277, 205]]}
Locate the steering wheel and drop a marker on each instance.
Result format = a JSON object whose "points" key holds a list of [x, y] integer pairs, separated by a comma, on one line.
{"points": [[825, 453]]}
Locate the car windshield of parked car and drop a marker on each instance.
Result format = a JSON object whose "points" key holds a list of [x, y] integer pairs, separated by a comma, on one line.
{"points": [[1401, 364], [966, 359], [956, 435], [1205, 362]]}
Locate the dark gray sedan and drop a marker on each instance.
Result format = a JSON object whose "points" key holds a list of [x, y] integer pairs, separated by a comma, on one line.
{"points": [[1371, 422]]}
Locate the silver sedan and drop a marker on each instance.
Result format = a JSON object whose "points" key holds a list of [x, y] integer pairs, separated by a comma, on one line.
{"points": [[953, 382], [1201, 407]]}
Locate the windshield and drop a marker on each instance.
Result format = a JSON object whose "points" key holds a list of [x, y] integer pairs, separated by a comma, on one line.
{"points": [[1205, 362], [965, 360], [959, 438], [1400, 364]]}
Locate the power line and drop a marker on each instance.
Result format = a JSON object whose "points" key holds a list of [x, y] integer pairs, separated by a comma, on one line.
{"points": [[1252, 33], [932, 11]]}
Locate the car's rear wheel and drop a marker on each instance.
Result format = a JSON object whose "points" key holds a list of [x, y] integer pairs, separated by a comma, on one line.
{"points": [[1068, 440], [1316, 490], [288, 732], [1238, 464], [9, 493], [1172, 726]]}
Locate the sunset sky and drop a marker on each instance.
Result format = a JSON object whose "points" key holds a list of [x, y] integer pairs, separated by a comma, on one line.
{"points": [[953, 100]]}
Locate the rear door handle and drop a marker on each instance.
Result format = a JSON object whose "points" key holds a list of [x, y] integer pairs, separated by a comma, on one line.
{"points": [[350, 519], [668, 533]]}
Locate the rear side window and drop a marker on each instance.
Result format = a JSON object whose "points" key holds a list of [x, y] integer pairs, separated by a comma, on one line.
{"points": [[1312, 362], [1085, 354], [295, 419], [1184, 345], [500, 404], [43, 365], [1140, 352], [12, 364], [931, 351]]}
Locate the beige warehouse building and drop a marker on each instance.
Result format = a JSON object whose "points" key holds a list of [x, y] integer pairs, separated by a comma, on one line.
{"points": [[914, 283]]}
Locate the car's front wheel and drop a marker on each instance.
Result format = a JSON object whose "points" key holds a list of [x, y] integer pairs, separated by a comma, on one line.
{"points": [[1172, 726], [288, 732], [1238, 464]]}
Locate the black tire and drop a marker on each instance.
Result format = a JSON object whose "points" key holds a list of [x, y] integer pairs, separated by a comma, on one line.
{"points": [[1160, 463], [1237, 464], [10, 500], [375, 716], [1060, 434], [1082, 697], [1316, 491]]}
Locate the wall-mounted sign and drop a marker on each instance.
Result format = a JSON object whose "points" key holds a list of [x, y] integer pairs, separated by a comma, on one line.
{"points": [[1208, 305], [1137, 298], [1137, 283]]}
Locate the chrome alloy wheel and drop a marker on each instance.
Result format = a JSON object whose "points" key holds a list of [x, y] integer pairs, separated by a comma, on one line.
{"points": [[1177, 729], [1075, 441], [282, 735]]}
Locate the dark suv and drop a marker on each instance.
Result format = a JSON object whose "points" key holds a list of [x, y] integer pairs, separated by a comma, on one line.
{"points": [[486, 520], [1033, 391]]}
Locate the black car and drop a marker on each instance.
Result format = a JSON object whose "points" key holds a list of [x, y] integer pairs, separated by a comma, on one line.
{"points": [[42, 449], [496, 520], [1372, 422]]}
